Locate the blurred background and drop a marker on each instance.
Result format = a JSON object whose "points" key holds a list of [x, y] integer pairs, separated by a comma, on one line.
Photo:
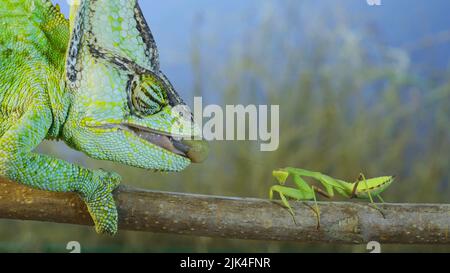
{"points": [[360, 88]]}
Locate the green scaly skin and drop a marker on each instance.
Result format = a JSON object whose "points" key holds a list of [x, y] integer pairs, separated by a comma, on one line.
{"points": [[94, 82]]}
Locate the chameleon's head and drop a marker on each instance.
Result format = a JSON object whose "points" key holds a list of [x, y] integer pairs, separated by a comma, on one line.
{"points": [[123, 108]]}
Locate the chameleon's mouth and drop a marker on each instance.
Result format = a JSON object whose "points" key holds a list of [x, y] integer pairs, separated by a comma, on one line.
{"points": [[195, 150]]}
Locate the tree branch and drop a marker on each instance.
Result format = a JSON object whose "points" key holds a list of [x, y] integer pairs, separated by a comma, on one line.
{"points": [[243, 218]]}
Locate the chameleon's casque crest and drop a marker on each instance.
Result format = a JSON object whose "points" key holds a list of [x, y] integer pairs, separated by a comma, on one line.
{"points": [[113, 68]]}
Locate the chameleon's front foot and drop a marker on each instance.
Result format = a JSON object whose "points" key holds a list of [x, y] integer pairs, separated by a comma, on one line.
{"points": [[100, 202]]}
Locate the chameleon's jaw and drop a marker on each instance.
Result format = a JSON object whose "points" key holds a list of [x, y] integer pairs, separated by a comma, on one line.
{"points": [[195, 150], [160, 140]]}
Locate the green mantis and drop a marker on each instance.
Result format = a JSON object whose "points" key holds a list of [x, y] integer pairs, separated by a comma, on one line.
{"points": [[362, 189]]}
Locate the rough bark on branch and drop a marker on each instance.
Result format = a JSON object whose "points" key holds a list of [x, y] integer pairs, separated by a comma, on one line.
{"points": [[243, 218]]}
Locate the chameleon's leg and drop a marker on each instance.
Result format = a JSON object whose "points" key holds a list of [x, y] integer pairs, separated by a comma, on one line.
{"points": [[381, 199], [97, 194], [19, 163], [372, 203]]}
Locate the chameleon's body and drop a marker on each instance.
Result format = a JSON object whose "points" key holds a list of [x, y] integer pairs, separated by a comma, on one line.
{"points": [[94, 82]]}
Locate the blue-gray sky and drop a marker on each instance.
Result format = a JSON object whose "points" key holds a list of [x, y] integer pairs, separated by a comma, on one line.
{"points": [[400, 23]]}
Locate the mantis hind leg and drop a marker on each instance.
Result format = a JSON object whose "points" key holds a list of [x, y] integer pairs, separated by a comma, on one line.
{"points": [[316, 209], [300, 183], [380, 210], [372, 203]]}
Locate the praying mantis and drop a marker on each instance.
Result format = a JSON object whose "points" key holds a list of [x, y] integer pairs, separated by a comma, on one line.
{"points": [[362, 189]]}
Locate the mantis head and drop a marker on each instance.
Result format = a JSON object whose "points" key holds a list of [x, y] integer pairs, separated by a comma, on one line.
{"points": [[280, 175], [123, 107]]}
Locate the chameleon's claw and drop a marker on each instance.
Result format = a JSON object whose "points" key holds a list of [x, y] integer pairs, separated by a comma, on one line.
{"points": [[100, 201], [104, 213], [111, 179]]}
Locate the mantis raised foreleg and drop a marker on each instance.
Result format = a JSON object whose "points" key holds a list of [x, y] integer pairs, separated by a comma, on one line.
{"points": [[304, 191]]}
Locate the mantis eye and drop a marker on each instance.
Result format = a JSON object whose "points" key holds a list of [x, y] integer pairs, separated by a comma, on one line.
{"points": [[148, 95]]}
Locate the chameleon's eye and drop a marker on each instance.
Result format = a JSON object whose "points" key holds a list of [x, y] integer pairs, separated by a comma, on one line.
{"points": [[148, 95]]}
